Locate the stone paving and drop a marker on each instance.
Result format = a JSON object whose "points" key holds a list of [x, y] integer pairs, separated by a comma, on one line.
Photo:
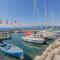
{"points": [[52, 52]]}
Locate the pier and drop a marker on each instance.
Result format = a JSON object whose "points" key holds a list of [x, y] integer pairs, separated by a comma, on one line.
{"points": [[52, 52]]}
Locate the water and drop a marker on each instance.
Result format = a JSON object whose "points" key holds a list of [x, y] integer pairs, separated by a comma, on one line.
{"points": [[30, 49]]}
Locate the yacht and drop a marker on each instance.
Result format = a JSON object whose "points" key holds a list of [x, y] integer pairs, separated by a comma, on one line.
{"points": [[33, 38]]}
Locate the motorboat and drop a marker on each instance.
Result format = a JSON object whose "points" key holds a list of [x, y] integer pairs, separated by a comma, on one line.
{"points": [[11, 50], [33, 38]]}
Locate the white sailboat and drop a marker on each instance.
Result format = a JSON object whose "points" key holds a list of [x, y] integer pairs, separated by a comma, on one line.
{"points": [[52, 35], [46, 33], [33, 38]]}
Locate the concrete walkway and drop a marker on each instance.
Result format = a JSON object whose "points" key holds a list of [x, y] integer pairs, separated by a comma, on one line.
{"points": [[51, 53]]}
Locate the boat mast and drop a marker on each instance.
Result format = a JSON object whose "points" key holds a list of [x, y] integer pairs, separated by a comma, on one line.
{"points": [[51, 17], [53, 21], [38, 15], [45, 15], [34, 12], [34, 8], [33, 23]]}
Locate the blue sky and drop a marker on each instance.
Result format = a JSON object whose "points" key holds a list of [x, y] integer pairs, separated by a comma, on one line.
{"points": [[23, 11]]}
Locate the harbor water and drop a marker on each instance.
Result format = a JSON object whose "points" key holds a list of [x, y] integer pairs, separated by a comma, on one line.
{"points": [[30, 49]]}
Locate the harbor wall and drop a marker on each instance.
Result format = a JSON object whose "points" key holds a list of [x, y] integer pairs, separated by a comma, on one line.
{"points": [[52, 52]]}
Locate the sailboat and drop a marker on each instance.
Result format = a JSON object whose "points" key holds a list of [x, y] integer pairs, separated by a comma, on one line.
{"points": [[46, 33], [51, 34], [31, 37]]}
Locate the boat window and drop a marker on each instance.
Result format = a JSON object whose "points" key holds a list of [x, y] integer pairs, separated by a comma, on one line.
{"points": [[37, 35], [34, 35], [35, 32]]}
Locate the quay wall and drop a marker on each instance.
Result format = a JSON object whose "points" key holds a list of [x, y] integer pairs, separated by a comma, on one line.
{"points": [[52, 52]]}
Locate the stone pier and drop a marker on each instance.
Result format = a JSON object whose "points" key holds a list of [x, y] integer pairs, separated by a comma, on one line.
{"points": [[52, 52]]}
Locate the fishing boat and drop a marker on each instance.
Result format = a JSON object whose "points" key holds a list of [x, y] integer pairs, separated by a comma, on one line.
{"points": [[11, 50]]}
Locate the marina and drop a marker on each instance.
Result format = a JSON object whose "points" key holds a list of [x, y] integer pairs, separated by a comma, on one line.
{"points": [[29, 30], [28, 48]]}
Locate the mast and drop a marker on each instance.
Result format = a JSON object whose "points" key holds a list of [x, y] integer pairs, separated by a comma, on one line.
{"points": [[52, 15], [34, 8], [45, 14], [53, 21], [38, 16], [34, 23], [34, 14]]}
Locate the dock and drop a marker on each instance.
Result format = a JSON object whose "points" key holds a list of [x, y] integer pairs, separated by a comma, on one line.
{"points": [[52, 52]]}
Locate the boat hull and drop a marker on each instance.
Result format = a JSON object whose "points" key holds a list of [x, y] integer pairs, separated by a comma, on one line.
{"points": [[52, 37], [33, 40], [15, 54], [13, 51]]}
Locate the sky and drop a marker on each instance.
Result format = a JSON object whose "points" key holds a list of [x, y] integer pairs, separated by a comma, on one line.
{"points": [[23, 11]]}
